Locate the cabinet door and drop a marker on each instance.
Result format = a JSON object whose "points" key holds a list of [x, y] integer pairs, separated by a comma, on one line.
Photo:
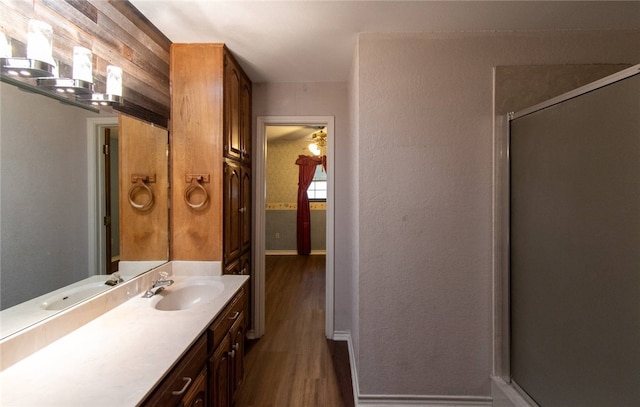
{"points": [[237, 335], [197, 395], [232, 213], [219, 380], [245, 120], [241, 266], [232, 136], [245, 209]]}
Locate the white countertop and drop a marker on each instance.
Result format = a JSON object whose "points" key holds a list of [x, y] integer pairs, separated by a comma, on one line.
{"points": [[114, 360]]}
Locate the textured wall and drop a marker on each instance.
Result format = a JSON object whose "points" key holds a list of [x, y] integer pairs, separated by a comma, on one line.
{"points": [[44, 195], [425, 194]]}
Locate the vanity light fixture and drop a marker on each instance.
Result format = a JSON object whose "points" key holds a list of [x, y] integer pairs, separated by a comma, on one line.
{"points": [[82, 81], [38, 63], [114, 90], [39, 72]]}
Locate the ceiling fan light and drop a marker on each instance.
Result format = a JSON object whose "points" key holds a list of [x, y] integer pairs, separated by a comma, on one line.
{"points": [[313, 147]]}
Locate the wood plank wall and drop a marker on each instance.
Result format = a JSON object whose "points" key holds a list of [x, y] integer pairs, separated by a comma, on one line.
{"points": [[116, 32]]}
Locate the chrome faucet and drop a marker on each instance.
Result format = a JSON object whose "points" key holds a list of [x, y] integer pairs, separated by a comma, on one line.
{"points": [[158, 285]]}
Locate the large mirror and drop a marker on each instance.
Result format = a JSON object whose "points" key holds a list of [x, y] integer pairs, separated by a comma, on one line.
{"points": [[59, 198]]}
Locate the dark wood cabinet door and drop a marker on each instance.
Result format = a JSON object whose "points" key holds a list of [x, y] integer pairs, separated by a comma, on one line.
{"points": [[232, 124], [245, 120], [197, 395], [219, 380], [245, 209], [232, 213], [237, 335]]}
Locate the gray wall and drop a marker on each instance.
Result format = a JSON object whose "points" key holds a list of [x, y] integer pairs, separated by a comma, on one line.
{"points": [[284, 223], [413, 196], [423, 279], [43, 197]]}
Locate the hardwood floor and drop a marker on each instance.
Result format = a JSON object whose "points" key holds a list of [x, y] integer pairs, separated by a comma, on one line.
{"points": [[293, 364]]}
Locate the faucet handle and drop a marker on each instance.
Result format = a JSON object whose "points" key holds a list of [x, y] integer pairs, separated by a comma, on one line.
{"points": [[163, 275]]}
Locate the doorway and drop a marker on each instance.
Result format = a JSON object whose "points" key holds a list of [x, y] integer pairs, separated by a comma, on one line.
{"points": [[102, 179], [259, 226]]}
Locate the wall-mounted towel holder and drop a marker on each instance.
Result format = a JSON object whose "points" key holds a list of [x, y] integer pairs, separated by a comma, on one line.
{"points": [[141, 187], [194, 184]]}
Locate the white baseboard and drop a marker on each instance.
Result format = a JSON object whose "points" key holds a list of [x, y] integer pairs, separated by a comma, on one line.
{"points": [[292, 252], [398, 400]]}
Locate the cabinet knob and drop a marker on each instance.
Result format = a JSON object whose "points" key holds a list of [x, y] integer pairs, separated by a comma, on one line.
{"points": [[236, 346], [241, 210], [232, 354], [179, 392]]}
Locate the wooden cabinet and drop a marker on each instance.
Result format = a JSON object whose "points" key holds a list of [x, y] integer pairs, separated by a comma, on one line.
{"points": [[211, 135], [177, 385], [236, 363], [220, 376], [197, 394], [237, 119], [227, 335], [212, 370], [237, 210]]}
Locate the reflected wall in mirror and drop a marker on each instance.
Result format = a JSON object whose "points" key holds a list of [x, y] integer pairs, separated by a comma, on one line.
{"points": [[53, 194]]}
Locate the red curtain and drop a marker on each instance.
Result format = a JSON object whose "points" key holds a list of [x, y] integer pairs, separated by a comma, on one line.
{"points": [[307, 169]]}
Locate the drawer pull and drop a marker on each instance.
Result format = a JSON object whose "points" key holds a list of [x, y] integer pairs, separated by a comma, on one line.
{"points": [[188, 382], [235, 316]]}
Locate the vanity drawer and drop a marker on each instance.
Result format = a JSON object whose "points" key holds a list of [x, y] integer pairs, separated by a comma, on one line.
{"points": [[181, 378], [220, 327]]}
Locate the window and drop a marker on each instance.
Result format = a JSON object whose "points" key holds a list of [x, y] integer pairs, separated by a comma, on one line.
{"points": [[318, 189]]}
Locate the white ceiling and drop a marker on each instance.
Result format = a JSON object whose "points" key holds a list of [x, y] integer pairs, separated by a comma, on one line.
{"points": [[314, 41]]}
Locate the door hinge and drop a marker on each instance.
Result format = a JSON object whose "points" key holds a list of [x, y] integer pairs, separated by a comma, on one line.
{"points": [[105, 149], [107, 220]]}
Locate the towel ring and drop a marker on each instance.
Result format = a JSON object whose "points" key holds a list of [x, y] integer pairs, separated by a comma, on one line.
{"points": [[195, 185], [141, 185]]}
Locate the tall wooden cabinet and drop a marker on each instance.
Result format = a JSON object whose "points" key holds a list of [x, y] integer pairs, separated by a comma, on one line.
{"points": [[237, 168], [210, 151]]}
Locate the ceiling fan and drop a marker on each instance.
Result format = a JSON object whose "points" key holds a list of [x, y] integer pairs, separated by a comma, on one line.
{"points": [[318, 142]]}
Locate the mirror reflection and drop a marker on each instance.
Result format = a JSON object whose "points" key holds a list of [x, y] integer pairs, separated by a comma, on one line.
{"points": [[60, 206]]}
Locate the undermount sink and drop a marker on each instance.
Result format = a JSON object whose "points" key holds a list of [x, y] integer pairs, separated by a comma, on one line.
{"points": [[73, 296], [187, 295]]}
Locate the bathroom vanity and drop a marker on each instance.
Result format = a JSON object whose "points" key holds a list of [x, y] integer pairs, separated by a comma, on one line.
{"points": [[183, 345]]}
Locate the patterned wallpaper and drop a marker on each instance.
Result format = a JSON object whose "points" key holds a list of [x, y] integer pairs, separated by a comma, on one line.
{"points": [[282, 175]]}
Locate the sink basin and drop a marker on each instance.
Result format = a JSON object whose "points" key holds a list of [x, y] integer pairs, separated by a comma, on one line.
{"points": [[184, 296], [73, 296]]}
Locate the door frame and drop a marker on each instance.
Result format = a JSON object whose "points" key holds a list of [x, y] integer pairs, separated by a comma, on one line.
{"points": [[95, 198], [259, 215]]}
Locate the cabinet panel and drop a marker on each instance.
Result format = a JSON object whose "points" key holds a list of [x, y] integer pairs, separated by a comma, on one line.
{"points": [[232, 123], [245, 120], [245, 209], [197, 394], [241, 266], [197, 108], [237, 335], [232, 205], [179, 381], [237, 209], [219, 380]]}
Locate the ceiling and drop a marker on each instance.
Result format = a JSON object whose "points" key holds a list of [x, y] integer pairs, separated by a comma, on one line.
{"points": [[314, 41]]}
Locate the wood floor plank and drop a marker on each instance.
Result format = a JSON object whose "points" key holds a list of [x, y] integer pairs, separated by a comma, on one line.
{"points": [[293, 364]]}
